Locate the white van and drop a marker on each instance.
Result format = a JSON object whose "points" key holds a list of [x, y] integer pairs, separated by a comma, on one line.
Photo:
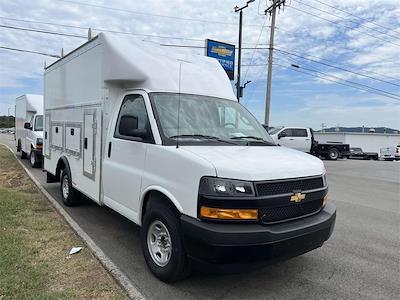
{"points": [[163, 141], [29, 127]]}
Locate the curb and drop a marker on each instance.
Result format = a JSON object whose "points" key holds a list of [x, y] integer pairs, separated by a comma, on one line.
{"points": [[108, 264]]}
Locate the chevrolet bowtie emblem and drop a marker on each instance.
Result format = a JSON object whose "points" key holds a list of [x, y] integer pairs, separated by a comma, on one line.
{"points": [[221, 51], [297, 197]]}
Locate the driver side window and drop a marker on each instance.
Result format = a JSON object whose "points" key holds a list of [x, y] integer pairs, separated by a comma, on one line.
{"points": [[133, 122]]}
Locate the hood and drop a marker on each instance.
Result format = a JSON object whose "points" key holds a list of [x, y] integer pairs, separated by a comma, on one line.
{"points": [[256, 163]]}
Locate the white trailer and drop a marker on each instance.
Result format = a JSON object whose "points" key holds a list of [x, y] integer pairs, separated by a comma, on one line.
{"points": [[29, 127], [160, 138]]}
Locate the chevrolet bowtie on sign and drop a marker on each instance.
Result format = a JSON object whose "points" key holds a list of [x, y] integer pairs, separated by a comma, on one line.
{"points": [[224, 53], [297, 197]]}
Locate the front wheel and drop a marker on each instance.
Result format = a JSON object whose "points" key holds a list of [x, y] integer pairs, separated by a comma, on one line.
{"points": [[162, 244], [33, 159], [333, 154], [69, 195]]}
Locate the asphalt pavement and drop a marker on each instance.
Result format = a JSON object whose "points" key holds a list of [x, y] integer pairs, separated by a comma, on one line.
{"points": [[360, 261]]}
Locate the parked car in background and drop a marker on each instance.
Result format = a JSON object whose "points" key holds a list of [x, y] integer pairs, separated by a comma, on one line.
{"points": [[302, 139], [358, 153], [29, 127], [390, 153]]}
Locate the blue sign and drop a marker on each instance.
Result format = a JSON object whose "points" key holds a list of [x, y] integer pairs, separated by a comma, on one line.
{"points": [[225, 53]]}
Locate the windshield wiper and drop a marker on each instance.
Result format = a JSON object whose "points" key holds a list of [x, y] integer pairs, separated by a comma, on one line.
{"points": [[257, 138], [202, 136]]}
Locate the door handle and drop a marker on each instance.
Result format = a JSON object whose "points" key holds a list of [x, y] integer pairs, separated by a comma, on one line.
{"points": [[85, 143], [291, 139], [109, 149], [307, 139]]}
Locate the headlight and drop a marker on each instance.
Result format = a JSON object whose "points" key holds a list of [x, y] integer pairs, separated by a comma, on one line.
{"points": [[325, 183], [39, 141], [213, 186]]}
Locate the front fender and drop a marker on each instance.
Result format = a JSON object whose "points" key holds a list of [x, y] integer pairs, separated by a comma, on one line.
{"points": [[162, 190]]}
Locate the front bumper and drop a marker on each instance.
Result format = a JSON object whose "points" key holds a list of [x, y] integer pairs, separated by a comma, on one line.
{"points": [[217, 243]]}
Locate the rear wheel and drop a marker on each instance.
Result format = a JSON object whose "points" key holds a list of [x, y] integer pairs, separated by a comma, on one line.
{"points": [[333, 154], [162, 243], [69, 195], [33, 159]]}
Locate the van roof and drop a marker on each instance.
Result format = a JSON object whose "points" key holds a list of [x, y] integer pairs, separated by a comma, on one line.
{"points": [[147, 65], [34, 103]]}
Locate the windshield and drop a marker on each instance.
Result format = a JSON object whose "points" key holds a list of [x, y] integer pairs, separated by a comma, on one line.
{"points": [[203, 118], [39, 123]]}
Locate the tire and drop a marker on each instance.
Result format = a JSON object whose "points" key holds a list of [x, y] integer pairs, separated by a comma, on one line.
{"points": [[333, 154], [23, 155], [33, 159], [161, 224], [69, 195]]}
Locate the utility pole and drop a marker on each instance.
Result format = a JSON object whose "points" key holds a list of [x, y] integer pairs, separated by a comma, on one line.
{"points": [[8, 111], [272, 12], [240, 10]]}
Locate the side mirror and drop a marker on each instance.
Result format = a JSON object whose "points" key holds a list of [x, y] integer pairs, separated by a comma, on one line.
{"points": [[281, 135], [128, 126], [27, 125]]}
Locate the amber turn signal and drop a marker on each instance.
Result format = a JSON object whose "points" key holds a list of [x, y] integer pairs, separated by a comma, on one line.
{"points": [[228, 214]]}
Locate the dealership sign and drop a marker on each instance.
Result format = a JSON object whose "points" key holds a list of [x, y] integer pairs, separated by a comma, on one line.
{"points": [[225, 53]]}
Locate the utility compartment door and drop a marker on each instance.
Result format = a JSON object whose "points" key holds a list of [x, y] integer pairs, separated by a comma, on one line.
{"points": [[47, 120], [89, 145]]}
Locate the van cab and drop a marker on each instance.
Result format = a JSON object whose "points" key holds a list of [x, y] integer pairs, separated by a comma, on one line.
{"points": [[164, 142]]}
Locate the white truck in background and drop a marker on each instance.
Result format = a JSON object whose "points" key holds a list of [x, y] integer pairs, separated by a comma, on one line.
{"points": [[29, 127], [162, 139], [302, 139], [390, 153]]}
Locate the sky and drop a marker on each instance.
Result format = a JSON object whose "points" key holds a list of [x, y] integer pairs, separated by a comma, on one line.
{"points": [[347, 52]]}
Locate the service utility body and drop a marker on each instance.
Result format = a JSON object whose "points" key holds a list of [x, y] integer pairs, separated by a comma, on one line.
{"points": [[29, 127], [160, 138]]}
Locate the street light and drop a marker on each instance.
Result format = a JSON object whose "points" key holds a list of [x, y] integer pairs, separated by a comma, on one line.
{"points": [[239, 89]]}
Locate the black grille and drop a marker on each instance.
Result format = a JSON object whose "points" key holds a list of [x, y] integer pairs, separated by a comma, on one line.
{"points": [[283, 187], [282, 213]]}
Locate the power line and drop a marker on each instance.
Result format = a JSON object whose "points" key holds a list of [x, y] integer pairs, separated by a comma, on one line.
{"points": [[43, 31], [358, 17], [342, 25], [368, 89], [29, 51], [336, 67], [153, 15], [318, 58], [348, 20], [352, 82], [258, 41], [106, 30]]}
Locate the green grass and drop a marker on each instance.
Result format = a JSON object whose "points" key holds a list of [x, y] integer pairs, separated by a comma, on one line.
{"points": [[34, 245]]}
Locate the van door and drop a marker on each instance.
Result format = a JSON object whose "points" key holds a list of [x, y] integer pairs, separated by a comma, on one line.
{"points": [[89, 138], [28, 135], [125, 154]]}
